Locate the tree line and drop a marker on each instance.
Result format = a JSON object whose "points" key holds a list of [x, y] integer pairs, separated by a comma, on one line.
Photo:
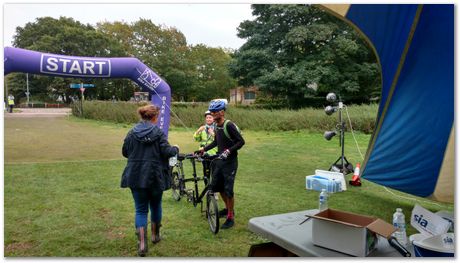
{"points": [[294, 54]]}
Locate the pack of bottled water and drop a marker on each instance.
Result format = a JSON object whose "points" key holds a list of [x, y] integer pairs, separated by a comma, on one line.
{"points": [[331, 181], [317, 183]]}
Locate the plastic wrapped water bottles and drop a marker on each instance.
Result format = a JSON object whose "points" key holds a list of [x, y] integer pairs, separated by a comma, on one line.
{"points": [[399, 223], [323, 200]]}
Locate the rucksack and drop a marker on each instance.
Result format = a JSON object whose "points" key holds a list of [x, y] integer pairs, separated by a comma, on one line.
{"points": [[226, 131]]}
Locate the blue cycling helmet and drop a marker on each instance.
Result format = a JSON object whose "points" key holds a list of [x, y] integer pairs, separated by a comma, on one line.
{"points": [[216, 105]]}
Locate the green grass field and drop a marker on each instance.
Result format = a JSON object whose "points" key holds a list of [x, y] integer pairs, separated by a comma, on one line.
{"points": [[62, 196]]}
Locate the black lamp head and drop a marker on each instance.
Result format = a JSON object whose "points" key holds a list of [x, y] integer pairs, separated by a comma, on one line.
{"points": [[330, 109], [329, 134]]}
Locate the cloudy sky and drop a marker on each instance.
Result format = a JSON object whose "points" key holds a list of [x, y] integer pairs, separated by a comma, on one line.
{"points": [[211, 24]]}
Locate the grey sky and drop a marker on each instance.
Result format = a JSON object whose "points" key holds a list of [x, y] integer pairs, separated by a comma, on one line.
{"points": [[211, 24]]}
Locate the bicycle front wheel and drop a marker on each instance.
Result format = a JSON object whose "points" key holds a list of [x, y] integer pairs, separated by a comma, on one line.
{"points": [[176, 185], [212, 213]]}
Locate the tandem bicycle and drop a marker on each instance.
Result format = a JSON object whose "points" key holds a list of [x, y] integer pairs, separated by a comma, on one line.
{"points": [[180, 190]]}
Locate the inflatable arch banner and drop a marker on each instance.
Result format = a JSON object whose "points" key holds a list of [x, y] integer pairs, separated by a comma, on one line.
{"points": [[27, 61], [411, 149]]}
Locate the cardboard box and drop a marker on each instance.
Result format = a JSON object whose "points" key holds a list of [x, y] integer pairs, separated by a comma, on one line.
{"points": [[348, 233]]}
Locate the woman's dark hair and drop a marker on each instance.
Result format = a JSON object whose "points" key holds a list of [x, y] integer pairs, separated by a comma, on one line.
{"points": [[148, 112]]}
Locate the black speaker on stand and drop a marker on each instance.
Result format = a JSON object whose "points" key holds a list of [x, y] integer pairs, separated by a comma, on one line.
{"points": [[341, 164]]}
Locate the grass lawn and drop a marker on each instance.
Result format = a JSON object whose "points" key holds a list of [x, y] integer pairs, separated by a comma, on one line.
{"points": [[62, 196]]}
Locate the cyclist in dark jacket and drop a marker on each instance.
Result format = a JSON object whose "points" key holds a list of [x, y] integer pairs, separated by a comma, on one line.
{"points": [[147, 148], [224, 170]]}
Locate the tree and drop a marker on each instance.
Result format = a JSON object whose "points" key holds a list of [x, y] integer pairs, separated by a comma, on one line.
{"points": [[193, 72], [165, 50], [63, 36], [212, 79], [120, 31], [295, 52]]}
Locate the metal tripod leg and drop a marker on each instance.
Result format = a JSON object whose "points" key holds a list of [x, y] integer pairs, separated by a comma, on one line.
{"points": [[341, 166]]}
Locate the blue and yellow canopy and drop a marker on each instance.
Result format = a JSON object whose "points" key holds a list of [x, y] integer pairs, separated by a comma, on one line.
{"points": [[412, 148]]}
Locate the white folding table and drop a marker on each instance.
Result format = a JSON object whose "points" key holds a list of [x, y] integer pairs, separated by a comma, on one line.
{"points": [[286, 231]]}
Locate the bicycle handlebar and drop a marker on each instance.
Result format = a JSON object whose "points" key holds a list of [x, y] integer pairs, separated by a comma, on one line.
{"points": [[180, 156], [200, 157]]}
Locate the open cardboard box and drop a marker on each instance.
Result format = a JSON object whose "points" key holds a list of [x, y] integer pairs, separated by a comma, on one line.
{"points": [[348, 233]]}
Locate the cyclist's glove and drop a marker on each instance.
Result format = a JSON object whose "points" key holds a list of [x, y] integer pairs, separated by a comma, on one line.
{"points": [[200, 152], [224, 154]]}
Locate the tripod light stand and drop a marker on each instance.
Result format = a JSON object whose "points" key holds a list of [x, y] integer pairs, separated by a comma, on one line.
{"points": [[341, 164]]}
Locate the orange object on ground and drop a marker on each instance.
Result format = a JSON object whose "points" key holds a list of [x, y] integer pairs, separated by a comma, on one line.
{"points": [[355, 180]]}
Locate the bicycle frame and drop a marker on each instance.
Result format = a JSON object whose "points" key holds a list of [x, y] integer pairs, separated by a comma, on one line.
{"points": [[196, 198], [179, 189]]}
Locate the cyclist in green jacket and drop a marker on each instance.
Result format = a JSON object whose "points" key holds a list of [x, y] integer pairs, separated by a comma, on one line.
{"points": [[205, 135]]}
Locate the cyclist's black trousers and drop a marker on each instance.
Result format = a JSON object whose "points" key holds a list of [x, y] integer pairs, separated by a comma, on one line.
{"points": [[223, 176]]}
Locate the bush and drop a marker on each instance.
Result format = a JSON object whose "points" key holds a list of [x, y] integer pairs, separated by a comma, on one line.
{"points": [[191, 115]]}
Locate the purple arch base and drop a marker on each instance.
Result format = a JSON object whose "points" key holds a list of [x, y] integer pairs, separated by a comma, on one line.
{"points": [[27, 61]]}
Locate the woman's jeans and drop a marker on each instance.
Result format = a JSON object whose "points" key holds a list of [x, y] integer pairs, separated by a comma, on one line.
{"points": [[143, 199]]}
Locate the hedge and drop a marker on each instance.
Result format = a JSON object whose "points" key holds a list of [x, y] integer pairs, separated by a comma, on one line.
{"points": [[191, 115]]}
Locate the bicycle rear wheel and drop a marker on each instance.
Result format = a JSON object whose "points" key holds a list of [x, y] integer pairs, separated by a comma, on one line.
{"points": [[212, 213], [176, 185]]}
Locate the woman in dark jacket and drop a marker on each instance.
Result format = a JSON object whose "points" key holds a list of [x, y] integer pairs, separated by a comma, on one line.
{"points": [[147, 148]]}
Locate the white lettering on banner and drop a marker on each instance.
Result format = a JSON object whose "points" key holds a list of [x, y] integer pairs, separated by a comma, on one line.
{"points": [[163, 109], [149, 79], [63, 65], [100, 64], [75, 67], [87, 65], [53, 64]]}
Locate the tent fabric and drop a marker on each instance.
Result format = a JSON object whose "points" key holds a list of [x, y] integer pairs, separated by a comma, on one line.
{"points": [[388, 27], [445, 187], [415, 48], [409, 148], [339, 9]]}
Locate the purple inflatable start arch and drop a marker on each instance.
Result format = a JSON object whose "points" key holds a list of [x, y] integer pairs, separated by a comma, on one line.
{"points": [[27, 61]]}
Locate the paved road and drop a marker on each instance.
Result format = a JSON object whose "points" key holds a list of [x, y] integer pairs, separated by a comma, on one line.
{"points": [[39, 112]]}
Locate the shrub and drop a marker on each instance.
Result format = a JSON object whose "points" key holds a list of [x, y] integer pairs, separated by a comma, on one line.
{"points": [[191, 115]]}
